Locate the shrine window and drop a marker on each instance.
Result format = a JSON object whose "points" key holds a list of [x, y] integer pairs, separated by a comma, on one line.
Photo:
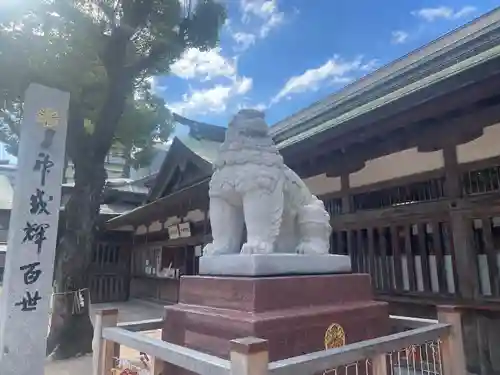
{"points": [[418, 192], [481, 181], [333, 206]]}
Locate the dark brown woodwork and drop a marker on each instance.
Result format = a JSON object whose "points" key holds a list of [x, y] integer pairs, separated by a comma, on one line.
{"points": [[410, 260], [453, 185], [362, 253], [438, 110], [371, 262], [491, 254], [429, 135], [109, 271], [386, 276], [424, 256], [439, 254], [396, 253], [340, 243], [465, 255], [345, 191], [352, 251]]}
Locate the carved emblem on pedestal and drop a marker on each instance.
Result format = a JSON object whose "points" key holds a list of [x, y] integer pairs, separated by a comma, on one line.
{"points": [[334, 336]]}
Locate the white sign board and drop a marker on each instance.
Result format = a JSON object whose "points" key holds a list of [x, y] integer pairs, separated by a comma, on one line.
{"points": [[27, 288], [185, 230], [173, 232]]}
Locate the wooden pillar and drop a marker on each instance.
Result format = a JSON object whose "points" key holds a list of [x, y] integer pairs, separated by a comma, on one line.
{"points": [[452, 347], [104, 352], [156, 367], [345, 193], [249, 356], [465, 257]]}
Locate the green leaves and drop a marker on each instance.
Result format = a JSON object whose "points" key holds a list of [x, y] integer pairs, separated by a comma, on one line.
{"points": [[101, 51]]}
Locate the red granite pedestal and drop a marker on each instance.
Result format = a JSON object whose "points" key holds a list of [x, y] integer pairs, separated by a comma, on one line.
{"points": [[291, 312]]}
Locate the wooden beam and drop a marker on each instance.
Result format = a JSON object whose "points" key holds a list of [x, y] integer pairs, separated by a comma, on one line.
{"points": [[350, 152], [439, 254], [410, 260], [345, 192], [396, 254], [386, 276], [371, 262], [464, 252], [437, 105], [424, 256], [491, 254], [186, 358]]}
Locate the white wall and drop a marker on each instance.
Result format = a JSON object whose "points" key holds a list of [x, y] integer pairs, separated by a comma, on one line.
{"points": [[399, 164], [484, 147], [321, 184]]}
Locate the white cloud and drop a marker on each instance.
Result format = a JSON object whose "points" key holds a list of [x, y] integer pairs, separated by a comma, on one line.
{"points": [[266, 11], [399, 37], [334, 71], [212, 100], [259, 107], [274, 21], [442, 12], [244, 40], [369, 65], [203, 64], [209, 66]]}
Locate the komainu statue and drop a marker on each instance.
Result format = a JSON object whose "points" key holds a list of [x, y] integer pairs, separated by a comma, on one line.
{"points": [[252, 186]]}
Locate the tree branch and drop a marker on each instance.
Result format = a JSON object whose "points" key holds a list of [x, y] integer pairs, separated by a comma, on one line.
{"points": [[135, 13], [156, 54]]}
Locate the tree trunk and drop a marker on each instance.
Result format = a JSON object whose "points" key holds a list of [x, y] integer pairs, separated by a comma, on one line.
{"points": [[71, 331]]}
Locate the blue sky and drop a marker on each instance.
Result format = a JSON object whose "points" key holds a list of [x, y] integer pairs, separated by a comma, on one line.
{"points": [[282, 55]]}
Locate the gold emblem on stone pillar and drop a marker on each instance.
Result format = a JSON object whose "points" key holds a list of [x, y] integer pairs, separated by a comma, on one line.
{"points": [[334, 336], [48, 117]]}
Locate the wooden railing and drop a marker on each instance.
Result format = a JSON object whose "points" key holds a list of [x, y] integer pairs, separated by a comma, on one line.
{"points": [[409, 256], [250, 356]]}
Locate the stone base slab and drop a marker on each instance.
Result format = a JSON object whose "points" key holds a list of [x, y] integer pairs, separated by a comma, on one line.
{"points": [[291, 312], [273, 264]]}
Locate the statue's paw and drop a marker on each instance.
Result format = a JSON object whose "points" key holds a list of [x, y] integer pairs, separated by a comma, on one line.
{"points": [[301, 248], [211, 250], [257, 248], [311, 247]]}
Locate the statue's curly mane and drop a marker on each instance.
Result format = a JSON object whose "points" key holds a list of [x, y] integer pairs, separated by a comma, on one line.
{"points": [[248, 142]]}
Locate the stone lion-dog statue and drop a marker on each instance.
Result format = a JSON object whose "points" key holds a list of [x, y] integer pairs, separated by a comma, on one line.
{"points": [[252, 186]]}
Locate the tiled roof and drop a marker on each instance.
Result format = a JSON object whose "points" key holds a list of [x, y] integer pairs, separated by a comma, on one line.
{"points": [[205, 149]]}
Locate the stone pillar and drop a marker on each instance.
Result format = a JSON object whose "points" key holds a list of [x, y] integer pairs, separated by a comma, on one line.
{"points": [[29, 268]]}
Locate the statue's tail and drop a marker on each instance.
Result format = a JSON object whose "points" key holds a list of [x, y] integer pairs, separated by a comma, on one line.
{"points": [[315, 229]]}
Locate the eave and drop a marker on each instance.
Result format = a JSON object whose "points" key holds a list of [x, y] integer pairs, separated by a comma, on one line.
{"points": [[478, 63], [458, 45]]}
